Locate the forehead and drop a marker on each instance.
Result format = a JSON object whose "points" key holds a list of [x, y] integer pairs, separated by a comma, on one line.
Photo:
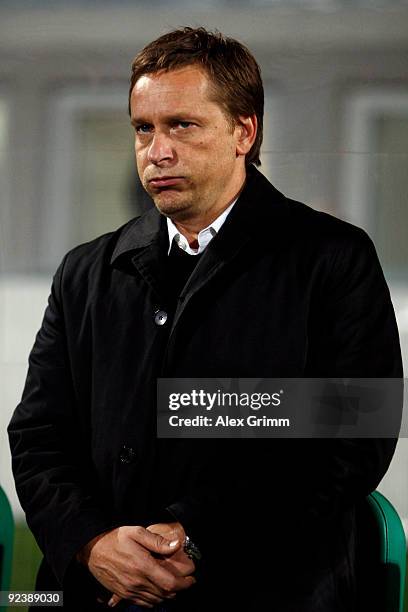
{"points": [[186, 86]]}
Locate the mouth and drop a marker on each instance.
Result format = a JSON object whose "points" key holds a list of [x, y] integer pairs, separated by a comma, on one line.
{"points": [[165, 181]]}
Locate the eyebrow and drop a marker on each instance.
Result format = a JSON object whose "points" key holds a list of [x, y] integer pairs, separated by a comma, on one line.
{"points": [[185, 116], [135, 121]]}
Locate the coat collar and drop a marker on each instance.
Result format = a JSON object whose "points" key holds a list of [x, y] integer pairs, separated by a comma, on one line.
{"points": [[143, 244], [258, 204]]}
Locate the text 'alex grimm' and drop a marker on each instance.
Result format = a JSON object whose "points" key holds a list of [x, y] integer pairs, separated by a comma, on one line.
{"points": [[226, 421]]}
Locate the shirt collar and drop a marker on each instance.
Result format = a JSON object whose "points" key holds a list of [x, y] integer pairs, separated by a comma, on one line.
{"points": [[204, 237]]}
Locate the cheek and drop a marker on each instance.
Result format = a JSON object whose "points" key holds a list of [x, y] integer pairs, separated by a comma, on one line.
{"points": [[140, 158], [221, 155], [140, 167]]}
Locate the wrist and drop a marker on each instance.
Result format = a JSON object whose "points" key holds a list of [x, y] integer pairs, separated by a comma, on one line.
{"points": [[82, 556], [192, 551]]}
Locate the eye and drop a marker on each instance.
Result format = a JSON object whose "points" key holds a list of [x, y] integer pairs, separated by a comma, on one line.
{"points": [[182, 125], [143, 128]]}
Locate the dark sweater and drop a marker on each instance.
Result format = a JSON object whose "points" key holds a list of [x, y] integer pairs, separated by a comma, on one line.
{"points": [[178, 267]]}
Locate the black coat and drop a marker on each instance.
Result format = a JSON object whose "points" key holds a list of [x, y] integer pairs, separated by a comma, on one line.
{"points": [[281, 291]]}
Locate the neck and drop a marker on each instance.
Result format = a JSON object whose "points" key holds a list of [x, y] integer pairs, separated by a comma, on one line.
{"points": [[190, 228]]}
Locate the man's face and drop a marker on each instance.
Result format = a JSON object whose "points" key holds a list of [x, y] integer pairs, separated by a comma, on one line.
{"points": [[186, 149]]}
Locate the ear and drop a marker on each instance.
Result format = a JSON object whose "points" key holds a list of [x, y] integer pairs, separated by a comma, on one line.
{"points": [[247, 128]]}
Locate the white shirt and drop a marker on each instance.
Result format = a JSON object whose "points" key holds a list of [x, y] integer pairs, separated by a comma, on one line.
{"points": [[204, 237]]}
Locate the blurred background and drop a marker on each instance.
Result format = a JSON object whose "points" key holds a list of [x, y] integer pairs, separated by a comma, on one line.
{"points": [[336, 137]]}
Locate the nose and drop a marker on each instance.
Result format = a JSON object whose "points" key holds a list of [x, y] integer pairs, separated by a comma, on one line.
{"points": [[160, 149]]}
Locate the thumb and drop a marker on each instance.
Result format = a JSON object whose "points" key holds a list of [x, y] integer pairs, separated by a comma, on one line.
{"points": [[157, 543]]}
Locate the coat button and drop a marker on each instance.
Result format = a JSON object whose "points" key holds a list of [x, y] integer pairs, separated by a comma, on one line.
{"points": [[127, 454], [160, 317]]}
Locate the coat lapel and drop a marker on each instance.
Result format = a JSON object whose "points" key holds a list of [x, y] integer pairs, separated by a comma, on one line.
{"points": [[144, 241], [258, 206], [143, 246]]}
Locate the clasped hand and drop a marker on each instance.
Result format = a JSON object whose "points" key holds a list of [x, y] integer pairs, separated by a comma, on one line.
{"points": [[142, 565]]}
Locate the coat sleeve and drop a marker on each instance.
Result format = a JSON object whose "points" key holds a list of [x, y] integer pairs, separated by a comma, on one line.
{"points": [[352, 333], [53, 475]]}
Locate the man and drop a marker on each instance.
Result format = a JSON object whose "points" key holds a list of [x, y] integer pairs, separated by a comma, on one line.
{"points": [[225, 277]]}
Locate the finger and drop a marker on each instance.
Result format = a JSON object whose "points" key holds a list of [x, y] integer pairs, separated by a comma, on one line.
{"points": [[142, 595], [176, 583], [133, 586], [142, 603], [154, 577], [166, 580], [170, 534], [179, 565], [154, 589], [114, 600], [147, 597], [188, 582], [154, 542]]}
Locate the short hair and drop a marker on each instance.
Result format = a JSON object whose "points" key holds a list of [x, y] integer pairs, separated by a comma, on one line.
{"points": [[232, 70]]}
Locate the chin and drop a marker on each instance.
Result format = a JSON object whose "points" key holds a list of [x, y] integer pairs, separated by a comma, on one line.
{"points": [[170, 207]]}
